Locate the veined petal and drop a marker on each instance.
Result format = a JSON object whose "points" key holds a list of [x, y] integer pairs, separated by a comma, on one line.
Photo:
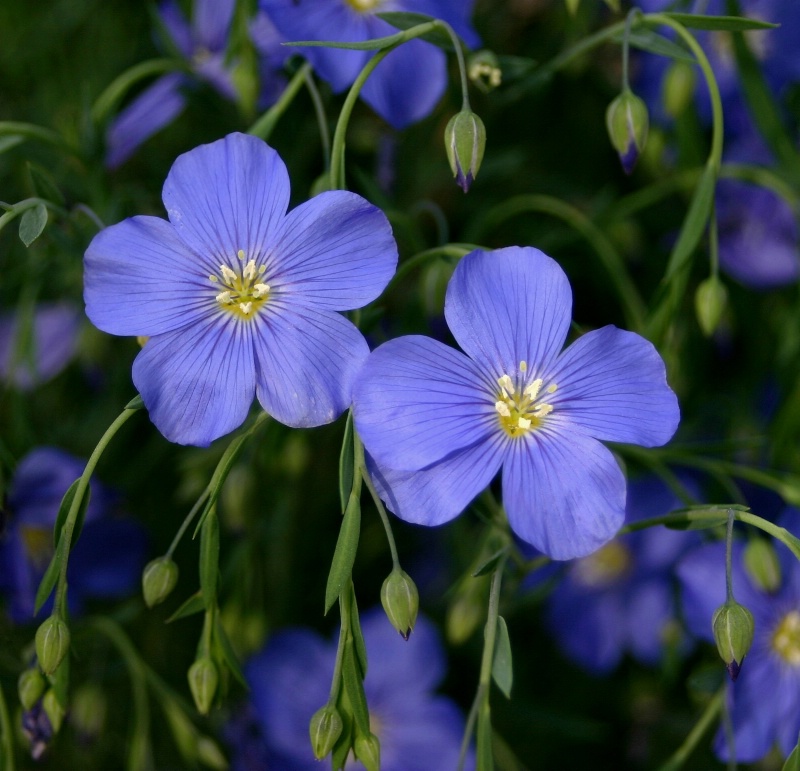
{"points": [[507, 306], [141, 279], [172, 18], [563, 494], [613, 384], [417, 401], [440, 492], [335, 251], [307, 364], [211, 21], [198, 383], [226, 196]]}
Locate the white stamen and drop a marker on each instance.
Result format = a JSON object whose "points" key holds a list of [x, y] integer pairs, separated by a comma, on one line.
{"points": [[524, 423], [249, 271], [502, 408], [260, 290], [245, 307], [542, 410], [240, 254], [227, 274], [224, 298], [532, 390], [505, 383]]}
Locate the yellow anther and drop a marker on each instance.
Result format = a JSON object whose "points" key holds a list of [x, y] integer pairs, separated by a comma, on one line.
{"points": [[260, 290], [542, 410], [523, 423], [213, 278], [227, 274], [551, 389], [532, 390], [523, 366], [240, 254], [503, 409], [245, 307], [249, 271], [224, 298], [505, 383]]}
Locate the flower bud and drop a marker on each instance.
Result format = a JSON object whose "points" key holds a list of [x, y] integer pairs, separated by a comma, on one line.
{"points": [[203, 679], [733, 632], [627, 124], [466, 611], [368, 751], [678, 88], [158, 580], [325, 729], [400, 600], [52, 644], [465, 140], [87, 711], [762, 565], [209, 754], [709, 304], [53, 709], [30, 687]]}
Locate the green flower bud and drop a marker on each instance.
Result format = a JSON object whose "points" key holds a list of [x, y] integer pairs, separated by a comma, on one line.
{"points": [[368, 751], [465, 140], [466, 611], [627, 123], [52, 644], [400, 600], [762, 565], [210, 755], [30, 687], [325, 729], [733, 632], [53, 709], [88, 711], [678, 87], [158, 580], [203, 679], [709, 304]]}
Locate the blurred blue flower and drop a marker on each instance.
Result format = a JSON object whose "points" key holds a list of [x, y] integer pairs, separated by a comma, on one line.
{"points": [[29, 357], [620, 599], [408, 84], [439, 424], [290, 680], [239, 298], [765, 699], [105, 563]]}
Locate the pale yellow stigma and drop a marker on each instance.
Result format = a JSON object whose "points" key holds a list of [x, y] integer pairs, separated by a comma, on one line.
{"points": [[603, 567], [786, 638], [364, 5], [242, 292], [518, 405]]}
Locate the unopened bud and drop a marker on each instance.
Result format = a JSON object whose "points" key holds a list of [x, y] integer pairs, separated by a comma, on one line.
{"points": [[87, 711], [325, 729], [466, 611], [709, 304], [762, 565], [368, 751], [158, 580], [733, 632], [400, 600], [678, 87], [209, 754], [627, 123], [52, 644], [465, 140], [203, 679], [53, 709], [30, 687]]}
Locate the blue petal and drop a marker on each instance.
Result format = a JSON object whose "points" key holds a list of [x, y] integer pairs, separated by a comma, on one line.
{"points": [[141, 279], [211, 21], [565, 495], [156, 107], [335, 251], [226, 196], [507, 306], [215, 71], [649, 610], [173, 20], [198, 383], [436, 494], [418, 400], [613, 384], [307, 363]]}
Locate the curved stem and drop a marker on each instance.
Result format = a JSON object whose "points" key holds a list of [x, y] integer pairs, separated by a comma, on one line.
{"points": [[188, 520], [681, 755], [729, 557], [32, 131], [6, 736], [384, 518], [626, 47], [457, 251], [264, 126], [319, 111]]}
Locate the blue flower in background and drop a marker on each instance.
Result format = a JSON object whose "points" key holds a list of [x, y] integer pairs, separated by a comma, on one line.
{"points": [[290, 680], [105, 563], [239, 298], [620, 599], [408, 84], [765, 699], [439, 424], [33, 355]]}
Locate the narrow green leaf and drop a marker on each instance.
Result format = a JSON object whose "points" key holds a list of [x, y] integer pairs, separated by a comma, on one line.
{"points": [[346, 462], [345, 553], [50, 576], [10, 141], [650, 41], [489, 565], [405, 21], [63, 513], [228, 654], [44, 184], [696, 524], [32, 223], [502, 669], [793, 761], [209, 558], [195, 604], [358, 637], [344, 743], [135, 404], [484, 757], [720, 23], [354, 686], [366, 45]]}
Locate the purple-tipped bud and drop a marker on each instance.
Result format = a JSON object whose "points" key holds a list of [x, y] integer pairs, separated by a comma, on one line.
{"points": [[325, 729], [203, 680], [733, 632], [465, 140], [762, 564], [710, 301], [158, 580], [30, 687], [368, 751], [52, 644], [37, 730], [400, 600], [627, 123]]}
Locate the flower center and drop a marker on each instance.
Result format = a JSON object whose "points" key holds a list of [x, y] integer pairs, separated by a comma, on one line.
{"points": [[38, 542], [519, 406], [786, 638], [604, 567], [243, 291], [364, 5]]}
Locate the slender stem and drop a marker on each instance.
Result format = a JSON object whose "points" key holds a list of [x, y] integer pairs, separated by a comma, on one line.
{"points": [[188, 520], [626, 46], [384, 518], [319, 111], [681, 755], [729, 557], [266, 123], [469, 727], [32, 131], [456, 251], [6, 736]]}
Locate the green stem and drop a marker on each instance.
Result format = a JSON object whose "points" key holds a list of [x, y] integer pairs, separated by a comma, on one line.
{"points": [[682, 754], [456, 251], [32, 131], [713, 242], [6, 736], [729, 557], [469, 727], [626, 47], [29, 203], [319, 111], [384, 518], [264, 126], [188, 520]]}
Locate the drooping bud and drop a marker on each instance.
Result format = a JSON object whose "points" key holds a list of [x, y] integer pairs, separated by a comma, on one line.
{"points": [[733, 632], [762, 565], [709, 304], [400, 600], [465, 140], [203, 680], [368, 751], [678, 87], [30, 687], [325, 729], [627, 123], [53, 709], [158, 580], [52, 644], [87, 711]]}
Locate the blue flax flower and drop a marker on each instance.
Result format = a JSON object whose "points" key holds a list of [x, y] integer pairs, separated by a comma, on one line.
{"points": [[620, 599], [408, 84], [290, 680], [439, 424], [239, 298], [765, 699], [105, 563]]}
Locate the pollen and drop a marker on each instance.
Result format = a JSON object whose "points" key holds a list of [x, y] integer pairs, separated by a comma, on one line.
{"points": [[241, 289], [518, 404], [786, 638]]}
